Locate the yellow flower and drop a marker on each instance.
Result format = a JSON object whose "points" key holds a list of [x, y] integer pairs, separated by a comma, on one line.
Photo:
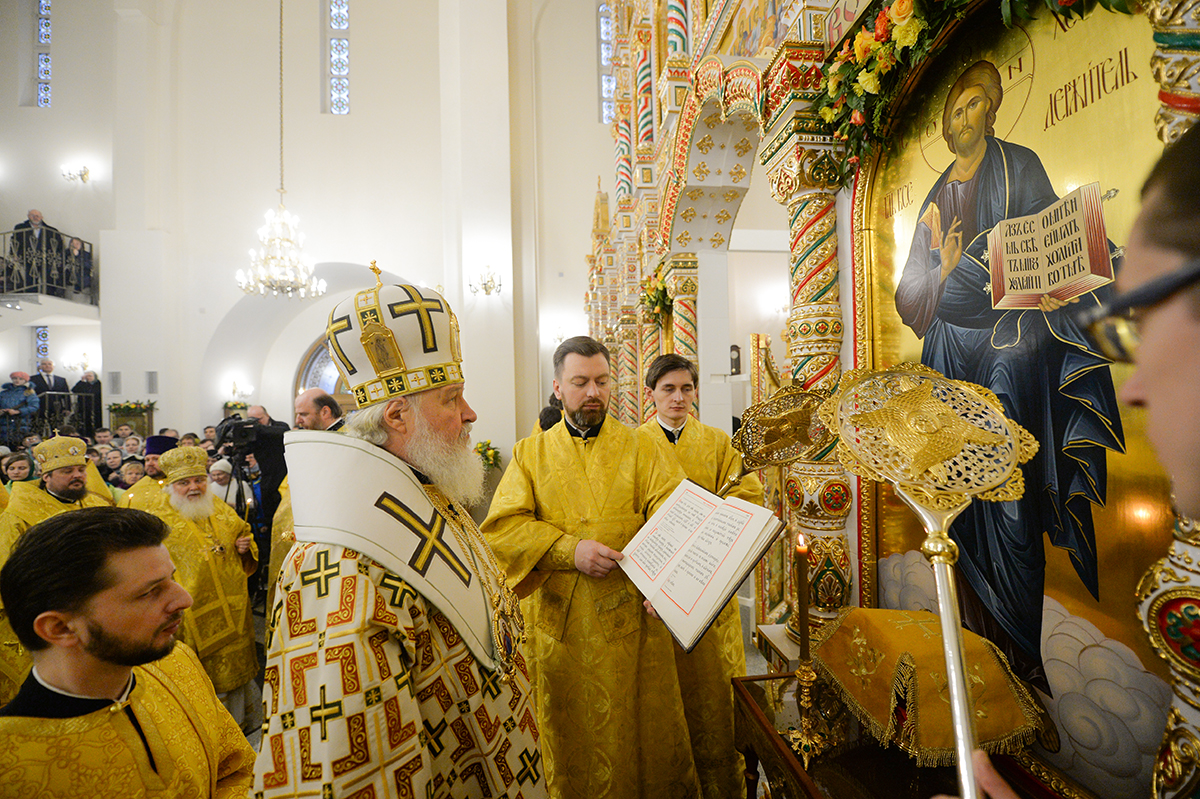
{"points": [[864, 43], [835, 78], [906, 35], [900, 11], [869, 81], [827, 115], [858, 89]]}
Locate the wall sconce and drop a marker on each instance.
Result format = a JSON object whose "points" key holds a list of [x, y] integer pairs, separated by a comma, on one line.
{"points": [[488, 283], [81, 365], [80, 174], [241, 394]]}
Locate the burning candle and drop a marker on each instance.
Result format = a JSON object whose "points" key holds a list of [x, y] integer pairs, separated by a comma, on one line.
{"points": [[802, 594]]}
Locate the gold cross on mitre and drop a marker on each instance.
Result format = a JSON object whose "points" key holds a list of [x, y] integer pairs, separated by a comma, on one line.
{"points": [[378, 275]]}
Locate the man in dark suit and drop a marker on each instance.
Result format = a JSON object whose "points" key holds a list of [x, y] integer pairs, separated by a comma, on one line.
{"points": [[38, 250], [45, 380]]}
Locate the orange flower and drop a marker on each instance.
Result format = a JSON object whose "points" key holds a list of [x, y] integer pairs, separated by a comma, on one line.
{"points": [[857, 117], [881, 26]]}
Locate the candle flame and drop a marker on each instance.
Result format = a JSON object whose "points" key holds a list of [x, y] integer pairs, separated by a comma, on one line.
{"points": [[801, 544]]}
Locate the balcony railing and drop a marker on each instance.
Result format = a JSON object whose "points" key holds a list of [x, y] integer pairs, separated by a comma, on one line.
{"points": [[52, 263]]}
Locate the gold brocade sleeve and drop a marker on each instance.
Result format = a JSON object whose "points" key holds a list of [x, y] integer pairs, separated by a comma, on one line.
{"points": [[519, 539], [226, 743], [561, 554]]}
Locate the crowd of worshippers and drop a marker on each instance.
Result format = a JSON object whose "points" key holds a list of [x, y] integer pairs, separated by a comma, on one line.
{"points": [[43, 403], [218, 546], [43, 259]]}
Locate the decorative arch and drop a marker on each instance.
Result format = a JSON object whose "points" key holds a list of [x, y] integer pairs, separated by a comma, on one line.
{"points": [[718, 136]]}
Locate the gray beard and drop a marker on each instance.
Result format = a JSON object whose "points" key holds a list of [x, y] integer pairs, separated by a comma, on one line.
{"points": [[454, 468], [191, 509]]}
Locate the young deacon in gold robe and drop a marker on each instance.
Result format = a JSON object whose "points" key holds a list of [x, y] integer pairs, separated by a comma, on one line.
{"points": [[61, 488], [708, 458], [147, 491], [214, 552], [608, 698], [112, 707]]}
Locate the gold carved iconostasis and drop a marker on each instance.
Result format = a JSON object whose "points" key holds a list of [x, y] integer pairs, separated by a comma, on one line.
{"points": [[1074, 103]]}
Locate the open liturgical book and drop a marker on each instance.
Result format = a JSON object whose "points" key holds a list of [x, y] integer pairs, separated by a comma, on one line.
{"points": [[692, 554]]}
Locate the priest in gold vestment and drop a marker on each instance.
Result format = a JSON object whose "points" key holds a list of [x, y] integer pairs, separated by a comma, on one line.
{"points": [[607, 692], [214, 553], [394, 665], [147, 491], [61, 488], [112, 708], [705, 674]]}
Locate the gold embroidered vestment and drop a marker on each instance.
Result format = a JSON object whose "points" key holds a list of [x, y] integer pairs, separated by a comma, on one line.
{"points": [[604, 673]]}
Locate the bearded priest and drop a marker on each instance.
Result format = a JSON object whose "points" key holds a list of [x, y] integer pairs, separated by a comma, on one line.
{"points": [[214, 553], [113, 707], [61, 488], [394, 664]]}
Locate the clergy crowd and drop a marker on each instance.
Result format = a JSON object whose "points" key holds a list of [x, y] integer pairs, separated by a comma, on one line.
{"points": [[409, 652]]}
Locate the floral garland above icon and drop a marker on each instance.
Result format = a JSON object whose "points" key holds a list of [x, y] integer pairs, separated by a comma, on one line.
{"points": [[861, 80], [131, 406]]}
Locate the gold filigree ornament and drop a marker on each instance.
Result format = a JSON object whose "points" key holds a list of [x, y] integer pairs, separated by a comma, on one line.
{"points": [[941, 443], [780, 430]]}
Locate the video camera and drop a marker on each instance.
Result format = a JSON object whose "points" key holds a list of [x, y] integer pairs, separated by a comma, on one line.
{"points": [[238, 432]]}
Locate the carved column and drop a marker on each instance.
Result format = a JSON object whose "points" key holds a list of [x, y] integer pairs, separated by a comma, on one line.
{"points": [[1169, 605], [651, 348], [682, 276], [626, 357], [644, 89], [802, 169], [677, 32], [1174, 64]]}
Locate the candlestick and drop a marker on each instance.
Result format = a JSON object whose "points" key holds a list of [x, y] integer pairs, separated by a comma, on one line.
{"points": [[802, 594]]}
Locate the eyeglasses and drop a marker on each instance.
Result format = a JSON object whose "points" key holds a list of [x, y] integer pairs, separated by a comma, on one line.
{"points": [[1114, 327]]}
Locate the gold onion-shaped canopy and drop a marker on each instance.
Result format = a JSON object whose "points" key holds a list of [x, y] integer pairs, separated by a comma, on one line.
{"points": [[944, 441]]}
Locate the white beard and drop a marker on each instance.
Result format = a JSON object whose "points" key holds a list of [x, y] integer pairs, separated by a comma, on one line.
{"points": [[192, 509], [454, 468]]}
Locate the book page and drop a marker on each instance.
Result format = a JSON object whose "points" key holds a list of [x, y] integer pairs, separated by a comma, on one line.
{"points": [[710, 548], [684, 516]]}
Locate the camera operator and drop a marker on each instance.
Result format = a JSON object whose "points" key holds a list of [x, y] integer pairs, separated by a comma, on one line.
{"points": [[262, 437]]}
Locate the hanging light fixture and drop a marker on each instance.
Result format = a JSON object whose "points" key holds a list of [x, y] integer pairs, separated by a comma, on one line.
{"points": [[276, 266]]}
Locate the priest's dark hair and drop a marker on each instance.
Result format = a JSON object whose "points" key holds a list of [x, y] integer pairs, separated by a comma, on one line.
{"points": [[1171, 197], [671, 362], [61, 563], [579, 345]]}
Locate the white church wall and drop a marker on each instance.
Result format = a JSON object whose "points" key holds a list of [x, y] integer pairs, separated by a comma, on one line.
{"points": [[561, 147]]}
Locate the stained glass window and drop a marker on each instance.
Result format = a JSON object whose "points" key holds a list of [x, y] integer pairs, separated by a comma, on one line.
{"points": [[604, 56], [339, 95], [40, 69], [339, 14], [337, 44]]}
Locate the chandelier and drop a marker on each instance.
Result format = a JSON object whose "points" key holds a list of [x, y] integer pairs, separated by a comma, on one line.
{"points": [[276, 266]]}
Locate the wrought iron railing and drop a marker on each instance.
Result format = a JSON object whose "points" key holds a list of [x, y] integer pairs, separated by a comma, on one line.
{"points": [[51, 263]]}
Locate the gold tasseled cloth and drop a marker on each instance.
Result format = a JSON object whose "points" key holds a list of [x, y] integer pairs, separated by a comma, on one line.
{"points": [[879, 659]]}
